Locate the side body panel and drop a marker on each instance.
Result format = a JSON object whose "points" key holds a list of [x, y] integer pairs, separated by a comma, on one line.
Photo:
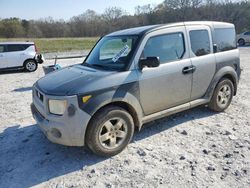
{"points": [[246, 36], [17, 58], [228, 64], [164, 86], [205, 65]]}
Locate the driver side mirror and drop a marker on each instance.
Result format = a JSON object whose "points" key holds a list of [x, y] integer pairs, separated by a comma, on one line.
{"points": [[149, 62]]}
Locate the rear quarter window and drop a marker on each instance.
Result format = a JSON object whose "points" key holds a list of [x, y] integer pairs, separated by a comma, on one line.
{"points": [[225, 39]]}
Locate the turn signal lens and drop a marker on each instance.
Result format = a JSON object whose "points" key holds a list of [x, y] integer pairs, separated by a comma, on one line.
{"points": [[85, 99]]}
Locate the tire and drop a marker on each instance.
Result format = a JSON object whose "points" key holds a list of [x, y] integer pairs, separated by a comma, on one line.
{"points": [[222, 95], [109, 131], [30, 65], [241, 42]]}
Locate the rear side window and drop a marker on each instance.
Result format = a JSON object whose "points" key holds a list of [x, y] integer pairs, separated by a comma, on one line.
{"points": [[225, 39], [17, 47], [200, 43], [1, 48], [247, 33], [169, 47]]}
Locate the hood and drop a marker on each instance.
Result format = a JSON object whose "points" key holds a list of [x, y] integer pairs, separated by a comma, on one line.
{"points": [[70, 80]]}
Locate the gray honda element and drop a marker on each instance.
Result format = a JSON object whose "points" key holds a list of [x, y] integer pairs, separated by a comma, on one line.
{"points": [[135, 76]]}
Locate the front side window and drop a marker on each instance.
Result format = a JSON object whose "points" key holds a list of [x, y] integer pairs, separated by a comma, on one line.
{"points": [[14, 47], [112, 52], [169, 47], [200, 43]]}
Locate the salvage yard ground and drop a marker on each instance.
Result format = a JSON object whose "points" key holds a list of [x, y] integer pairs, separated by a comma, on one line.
{"points": [[195, 148]]}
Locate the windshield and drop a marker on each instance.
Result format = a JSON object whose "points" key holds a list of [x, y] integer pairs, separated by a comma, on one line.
{"points": [[112, 53]]}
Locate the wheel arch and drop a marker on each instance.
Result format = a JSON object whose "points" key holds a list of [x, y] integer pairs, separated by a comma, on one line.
{"points": [[225, 72], [128, 102], [29, 59], [126, 106], [240, 39]]}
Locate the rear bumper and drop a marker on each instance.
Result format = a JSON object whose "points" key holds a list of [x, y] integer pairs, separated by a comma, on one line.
{"points": [[66, 130], [39, 58]]}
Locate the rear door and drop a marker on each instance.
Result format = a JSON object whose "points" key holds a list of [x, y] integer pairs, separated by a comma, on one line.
{"points": [[202, 58], [165, 86], [3, 60], [14, 55]]}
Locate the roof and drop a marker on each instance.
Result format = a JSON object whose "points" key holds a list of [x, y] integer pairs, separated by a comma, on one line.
{"points": [[12, 42], [134, 31], [144, 29]]}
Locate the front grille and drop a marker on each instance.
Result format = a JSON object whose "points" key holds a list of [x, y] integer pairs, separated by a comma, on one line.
{"points": [[37, 113], [39, 95]]}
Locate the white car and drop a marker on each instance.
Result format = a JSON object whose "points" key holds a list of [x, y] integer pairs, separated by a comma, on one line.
{"points": [[15, 55], [243, 38]]}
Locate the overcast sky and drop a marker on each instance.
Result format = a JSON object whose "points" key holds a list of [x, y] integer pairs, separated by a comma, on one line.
{"points": [[35, 9]]}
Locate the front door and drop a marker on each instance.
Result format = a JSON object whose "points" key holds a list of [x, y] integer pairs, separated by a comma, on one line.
{"points": [[169, 84]]}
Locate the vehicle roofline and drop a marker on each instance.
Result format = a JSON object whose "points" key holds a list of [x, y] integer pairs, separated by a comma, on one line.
{"points": [[12, 42]]}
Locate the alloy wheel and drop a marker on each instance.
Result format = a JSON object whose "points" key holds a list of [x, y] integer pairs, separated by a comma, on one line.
{"points": [[113, 133]]}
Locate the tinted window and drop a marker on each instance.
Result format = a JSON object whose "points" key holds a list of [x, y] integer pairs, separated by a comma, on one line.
{"points": [[200, 43], [17, 47], [225, 39], [247, 33], [167, 47], [1, 48]]}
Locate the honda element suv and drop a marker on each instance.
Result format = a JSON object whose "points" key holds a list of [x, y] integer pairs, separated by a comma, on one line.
{"points": [[135, 76]]}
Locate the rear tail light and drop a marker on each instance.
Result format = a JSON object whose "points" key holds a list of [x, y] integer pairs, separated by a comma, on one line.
{"points": [[36, 49]]}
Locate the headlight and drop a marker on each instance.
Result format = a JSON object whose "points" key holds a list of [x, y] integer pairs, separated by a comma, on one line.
{"points": [[57, 107]]}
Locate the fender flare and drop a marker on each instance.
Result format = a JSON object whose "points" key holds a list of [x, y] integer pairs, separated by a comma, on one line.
{"points": [[227, 71], [111, 97]]}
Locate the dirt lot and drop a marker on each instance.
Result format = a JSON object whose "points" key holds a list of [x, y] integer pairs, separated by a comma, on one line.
{"points": [[196, 148]]}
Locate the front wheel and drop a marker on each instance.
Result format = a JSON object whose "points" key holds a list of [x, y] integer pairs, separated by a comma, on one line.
{"points": [[30, 65], [222, 96], [110, 131]]}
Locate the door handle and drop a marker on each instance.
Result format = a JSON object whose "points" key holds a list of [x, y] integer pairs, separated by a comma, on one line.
{"points": [[188, 69]]}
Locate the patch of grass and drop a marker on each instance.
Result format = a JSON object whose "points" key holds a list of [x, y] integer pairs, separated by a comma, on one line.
{"points": [[58, 44]]}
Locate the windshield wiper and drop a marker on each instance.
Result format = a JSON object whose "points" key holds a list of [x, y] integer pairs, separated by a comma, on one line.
{"points": [[100, 66]]}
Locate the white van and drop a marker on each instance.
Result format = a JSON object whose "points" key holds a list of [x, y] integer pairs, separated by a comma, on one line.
{"points": [[14, 55]]}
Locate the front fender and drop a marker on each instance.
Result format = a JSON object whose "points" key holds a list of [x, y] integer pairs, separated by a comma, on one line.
{"points": [[100, 100]]}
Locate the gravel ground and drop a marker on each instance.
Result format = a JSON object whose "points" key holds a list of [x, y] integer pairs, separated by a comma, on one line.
{"points": [[195, 148]]}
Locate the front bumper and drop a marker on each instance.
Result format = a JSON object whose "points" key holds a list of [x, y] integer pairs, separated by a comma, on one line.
{"points": [[68, 129]]}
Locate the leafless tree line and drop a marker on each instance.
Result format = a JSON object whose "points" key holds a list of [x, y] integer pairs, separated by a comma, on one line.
{"points": [[91, 23]]}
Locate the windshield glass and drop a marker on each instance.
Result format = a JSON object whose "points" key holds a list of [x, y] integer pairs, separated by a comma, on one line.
{"points": [[112, 53]]}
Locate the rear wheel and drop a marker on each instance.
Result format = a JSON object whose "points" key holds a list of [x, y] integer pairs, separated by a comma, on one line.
{"points": [[222, 96], [110, 131], [30, 65], [241, 42]]}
